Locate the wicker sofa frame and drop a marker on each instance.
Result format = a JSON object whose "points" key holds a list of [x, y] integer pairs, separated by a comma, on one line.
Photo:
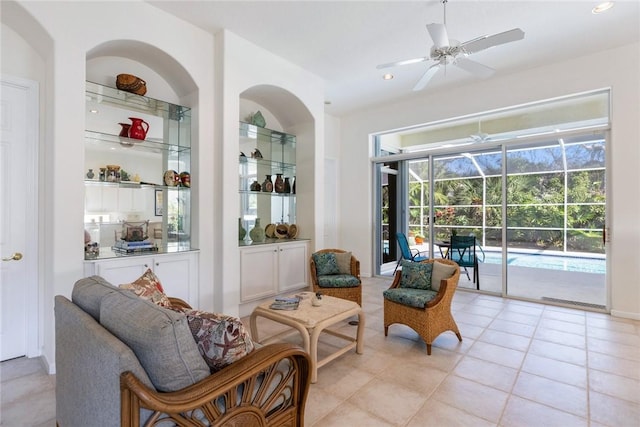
{"points": [[352, 294], [435, 318]]}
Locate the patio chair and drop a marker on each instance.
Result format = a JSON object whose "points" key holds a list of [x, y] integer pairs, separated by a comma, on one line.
{"points": [[337, 277], [420, 297], [463, 252], [406, 252]]}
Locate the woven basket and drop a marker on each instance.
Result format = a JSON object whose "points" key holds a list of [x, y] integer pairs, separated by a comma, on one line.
{"points": [[131, 83]]}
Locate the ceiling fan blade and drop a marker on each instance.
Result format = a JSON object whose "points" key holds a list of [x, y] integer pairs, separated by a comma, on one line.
{"points": [[422, 83], [485, 42], [474, 67], [438, 33], [405, 62]]}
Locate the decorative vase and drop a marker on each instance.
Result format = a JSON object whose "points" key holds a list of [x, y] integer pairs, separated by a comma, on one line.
{"points": [[279, 184], [294, 185], [255, 186], [241, 230], [137, 130], [257, 232], [287, 185], [125, 129], [90, 174], [103, 174], [267, 185]]}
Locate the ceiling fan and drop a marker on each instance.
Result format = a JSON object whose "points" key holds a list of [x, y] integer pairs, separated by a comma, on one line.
{"points": [[449, 51], [480, 136]]}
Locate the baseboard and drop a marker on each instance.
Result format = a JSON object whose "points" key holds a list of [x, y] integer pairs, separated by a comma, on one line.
{"points": [[50, 368], [625, 314]]}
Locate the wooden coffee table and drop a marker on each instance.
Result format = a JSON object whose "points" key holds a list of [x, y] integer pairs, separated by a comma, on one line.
{"points": [[310, 321]]}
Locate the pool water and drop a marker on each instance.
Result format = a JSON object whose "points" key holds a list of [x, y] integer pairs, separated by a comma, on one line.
{"points": [[565, 263]]}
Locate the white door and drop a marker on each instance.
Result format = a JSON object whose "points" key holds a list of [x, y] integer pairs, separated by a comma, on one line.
{"points": [[18, 221]]}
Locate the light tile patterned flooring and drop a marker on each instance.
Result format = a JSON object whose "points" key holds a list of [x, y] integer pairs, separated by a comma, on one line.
{"points": [[520, 364]]}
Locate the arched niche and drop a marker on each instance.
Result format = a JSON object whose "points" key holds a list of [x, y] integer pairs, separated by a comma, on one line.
{"points": [[288, 110], [166, 78]]}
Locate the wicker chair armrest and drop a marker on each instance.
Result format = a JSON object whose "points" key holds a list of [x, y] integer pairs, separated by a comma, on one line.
{"points": [[285, 401], [396, 280], [178, 303]]}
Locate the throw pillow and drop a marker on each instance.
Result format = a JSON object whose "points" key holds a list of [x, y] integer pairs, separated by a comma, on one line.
{"points": [[441, 271], [221, 339], [344, 262], [416, 275], [148, 287], [326, 263]]}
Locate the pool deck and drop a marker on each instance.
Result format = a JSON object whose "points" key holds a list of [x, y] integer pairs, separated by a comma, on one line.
{"points": [[586, 290]]}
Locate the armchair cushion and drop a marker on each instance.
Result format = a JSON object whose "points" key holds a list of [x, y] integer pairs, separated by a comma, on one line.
{"points": [[326, 263], [148, 287], [412, 297], [416, 275], [338, 281], [441, 271], [221, 339], [160, 339], [344, 262]]}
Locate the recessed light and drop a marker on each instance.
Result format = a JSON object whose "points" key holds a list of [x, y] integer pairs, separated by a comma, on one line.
{"points": [[387, 76], [93, 111], [602, 7], [327, 102]]}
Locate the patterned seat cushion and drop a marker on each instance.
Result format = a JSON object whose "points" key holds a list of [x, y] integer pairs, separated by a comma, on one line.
{"points": [[412, 297], [338, 281]]}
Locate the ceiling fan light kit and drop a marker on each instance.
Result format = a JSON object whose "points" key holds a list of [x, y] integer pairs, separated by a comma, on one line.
{"points": [[446, 51]]}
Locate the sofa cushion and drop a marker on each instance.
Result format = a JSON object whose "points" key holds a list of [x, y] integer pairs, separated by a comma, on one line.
{"points": [[326, 263], [441, 271], [88, 292], [416, 275], [221, 339], [159, 337], [148, 287], [344, 262], [412, 297], [338, 281]]}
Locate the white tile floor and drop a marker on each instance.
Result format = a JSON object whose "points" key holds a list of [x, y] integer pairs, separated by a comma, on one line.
{"points": [[520, 364]]}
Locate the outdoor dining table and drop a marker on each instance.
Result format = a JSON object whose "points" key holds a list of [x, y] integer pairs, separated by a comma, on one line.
{"points": [[445, 248]]}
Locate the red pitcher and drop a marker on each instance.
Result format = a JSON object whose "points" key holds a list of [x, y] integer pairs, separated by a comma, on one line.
{"points": [[137, 130]]}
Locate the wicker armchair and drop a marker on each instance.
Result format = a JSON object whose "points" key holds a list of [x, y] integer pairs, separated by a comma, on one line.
{"points": [[351, 293], [432, 320]]}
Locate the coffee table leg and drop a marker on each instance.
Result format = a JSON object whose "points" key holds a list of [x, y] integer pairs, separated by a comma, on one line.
{"points": [[313, 353], [360, 334]]}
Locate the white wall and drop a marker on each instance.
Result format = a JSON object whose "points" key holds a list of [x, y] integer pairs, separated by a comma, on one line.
{"points": [[75, 29], [247, 70], [618, 69]]}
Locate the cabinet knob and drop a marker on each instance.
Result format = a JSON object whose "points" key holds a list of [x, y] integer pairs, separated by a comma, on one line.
{"points": [[146, 266], [157, 263]]}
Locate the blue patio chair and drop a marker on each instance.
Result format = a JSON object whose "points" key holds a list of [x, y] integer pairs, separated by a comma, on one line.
{"points": [[463, 252], [406, 252]]}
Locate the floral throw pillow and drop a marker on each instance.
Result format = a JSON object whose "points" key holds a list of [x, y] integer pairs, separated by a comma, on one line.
{"points": [[326, 263], [221, 339], [148, 287], [416, 275]]}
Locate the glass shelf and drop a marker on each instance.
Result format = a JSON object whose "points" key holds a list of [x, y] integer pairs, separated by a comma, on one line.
{"points": [[111, 96], [133, 184], [115, 142]]}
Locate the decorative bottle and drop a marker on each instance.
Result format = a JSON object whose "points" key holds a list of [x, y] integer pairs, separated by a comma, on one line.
{"points": [[294, 185], [279, 184], [90, 174], [267, 185], [241, 230], [257, 232], [287, 185]]}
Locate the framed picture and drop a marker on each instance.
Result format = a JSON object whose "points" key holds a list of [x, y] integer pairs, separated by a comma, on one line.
{"points": [[159, 202]]}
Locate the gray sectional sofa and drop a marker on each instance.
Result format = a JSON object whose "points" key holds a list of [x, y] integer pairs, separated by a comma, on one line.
{"points": [[124, 361]]}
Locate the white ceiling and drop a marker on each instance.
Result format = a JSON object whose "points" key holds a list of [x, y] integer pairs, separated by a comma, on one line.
{"points": [[343, 41]]}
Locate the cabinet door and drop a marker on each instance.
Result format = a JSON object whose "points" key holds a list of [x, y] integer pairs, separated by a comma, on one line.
{"points": [[292, 266], [176, 273], [124, 270], [258, 275]]}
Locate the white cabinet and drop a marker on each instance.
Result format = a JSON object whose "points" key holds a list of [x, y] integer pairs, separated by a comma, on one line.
{"points": [[271, 269], [178, 272]]}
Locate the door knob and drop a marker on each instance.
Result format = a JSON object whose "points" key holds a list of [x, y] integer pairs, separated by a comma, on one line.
{"points": [[17, 256]]}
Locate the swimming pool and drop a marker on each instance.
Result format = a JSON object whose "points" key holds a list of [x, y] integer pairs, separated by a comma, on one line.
{"points": [[551, 262]]}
